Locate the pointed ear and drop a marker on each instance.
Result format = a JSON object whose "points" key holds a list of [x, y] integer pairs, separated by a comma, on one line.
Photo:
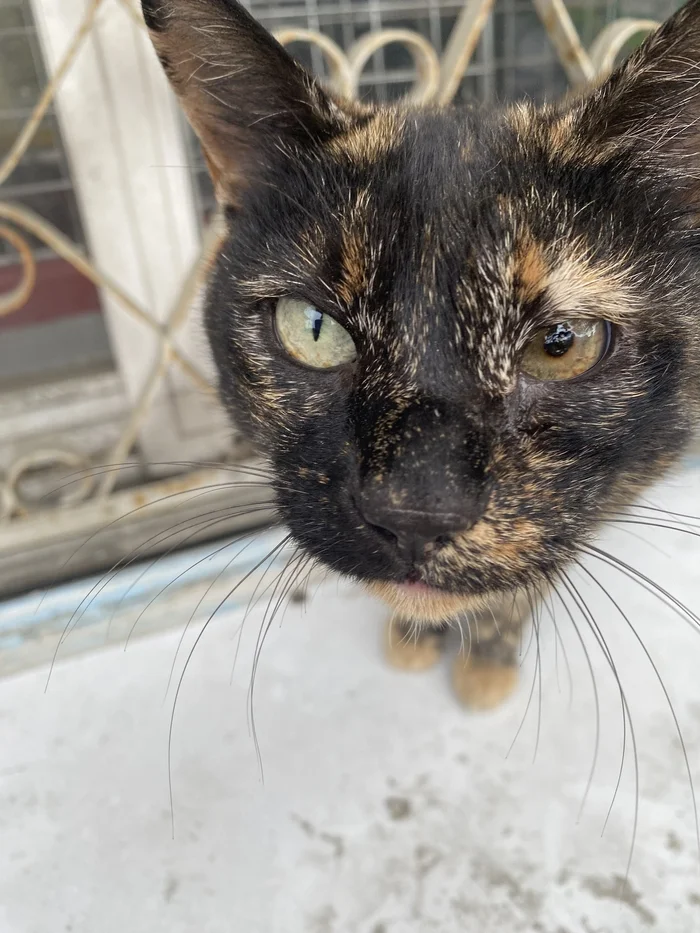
{"points": [[650, 107], [244, 95]]}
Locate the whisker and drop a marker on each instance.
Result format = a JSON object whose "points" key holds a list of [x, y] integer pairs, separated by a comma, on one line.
{"points": [[207, 524], [682, 529], [250, 606], [652, 508], [468, 620], [200, 522], [495, 622], [255, 597], [262, 636], [268, 615], [199, 490], [527, 707], [294, 586], [304, 587], [626, 719], [182, 574], [591, 670], [672, 710], [206, 625], [559, 646], [78, 476], [646, 583], [538, 666], [524, 653], [212, 584], [643, 538], [408, 633], [458, 622], [88, 599]]}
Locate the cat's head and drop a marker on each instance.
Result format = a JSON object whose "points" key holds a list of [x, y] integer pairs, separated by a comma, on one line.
{"points": [[460, 337]]}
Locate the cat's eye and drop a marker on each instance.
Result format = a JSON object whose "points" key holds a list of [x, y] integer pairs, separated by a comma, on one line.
{"points": [[312, 337], [565, 350]]}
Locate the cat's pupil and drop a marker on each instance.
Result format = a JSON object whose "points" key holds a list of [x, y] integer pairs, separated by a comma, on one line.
{"points": [[315, 319], [558, 340]]}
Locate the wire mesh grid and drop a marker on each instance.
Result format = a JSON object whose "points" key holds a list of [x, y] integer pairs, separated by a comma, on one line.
{"points": [[42, 180], [514, 57]]}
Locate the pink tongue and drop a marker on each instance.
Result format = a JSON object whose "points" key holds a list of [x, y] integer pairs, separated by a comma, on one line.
{"points": [[415, 587]]}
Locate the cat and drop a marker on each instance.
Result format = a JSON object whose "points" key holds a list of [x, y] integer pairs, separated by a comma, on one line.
{"points": [[461, 337]]}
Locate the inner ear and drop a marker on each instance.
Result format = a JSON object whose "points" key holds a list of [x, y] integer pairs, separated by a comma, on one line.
{"points": [[246, 98]]}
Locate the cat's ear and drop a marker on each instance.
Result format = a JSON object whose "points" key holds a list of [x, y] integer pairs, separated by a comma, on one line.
{"points": [[244, 95], [650, 106]]}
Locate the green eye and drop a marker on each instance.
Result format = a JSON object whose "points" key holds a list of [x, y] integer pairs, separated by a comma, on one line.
{"points": [[311, 337]]}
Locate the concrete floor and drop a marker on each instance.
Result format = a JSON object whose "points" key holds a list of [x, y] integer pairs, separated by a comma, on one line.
{"points": [[385, 808]]}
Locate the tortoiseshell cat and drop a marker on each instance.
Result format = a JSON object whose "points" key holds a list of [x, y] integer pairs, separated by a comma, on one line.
{"points": [[461, 337]]}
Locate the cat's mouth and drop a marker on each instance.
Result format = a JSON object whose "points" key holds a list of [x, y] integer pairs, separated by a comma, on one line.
{"points": [[422, 602], [414, 587]]}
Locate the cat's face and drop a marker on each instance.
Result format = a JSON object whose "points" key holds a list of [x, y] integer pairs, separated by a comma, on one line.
{"points": [[460, 338]]}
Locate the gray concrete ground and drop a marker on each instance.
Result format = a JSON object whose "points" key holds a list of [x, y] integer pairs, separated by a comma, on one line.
{"points": [[385, 808]]}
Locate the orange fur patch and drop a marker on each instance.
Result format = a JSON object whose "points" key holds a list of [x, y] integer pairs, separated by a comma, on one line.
{"points": [[354, 264], [530, 269], [371, 141]]}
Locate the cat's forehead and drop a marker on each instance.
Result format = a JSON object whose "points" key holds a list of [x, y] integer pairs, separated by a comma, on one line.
{"points": [[497, 214]]}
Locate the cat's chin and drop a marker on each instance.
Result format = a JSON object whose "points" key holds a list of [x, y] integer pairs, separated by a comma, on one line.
{"points": [[422, 603]]}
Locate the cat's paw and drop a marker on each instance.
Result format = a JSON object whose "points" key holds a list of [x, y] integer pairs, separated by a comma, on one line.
{"points": [[482, 684], [412, 651]]}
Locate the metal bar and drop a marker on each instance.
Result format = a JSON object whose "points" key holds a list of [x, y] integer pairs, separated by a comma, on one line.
{"points": [[461, 46], [22, 142], [566, 41], [64, 543], [65, 248]]}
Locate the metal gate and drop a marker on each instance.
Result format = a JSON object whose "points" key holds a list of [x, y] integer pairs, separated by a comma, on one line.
{"points": [[110, 432]]}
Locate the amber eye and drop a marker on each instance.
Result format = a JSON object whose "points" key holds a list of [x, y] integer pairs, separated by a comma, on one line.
{"points": [[565, 350], [312, 337]]}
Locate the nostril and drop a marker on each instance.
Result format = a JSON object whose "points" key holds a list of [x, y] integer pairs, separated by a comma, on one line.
{"points": [[384, 533], [442, 541], [378, 529]]}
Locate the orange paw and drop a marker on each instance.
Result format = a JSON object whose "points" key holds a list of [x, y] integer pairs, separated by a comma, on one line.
{"points": [[483, 685], [410, 653]]}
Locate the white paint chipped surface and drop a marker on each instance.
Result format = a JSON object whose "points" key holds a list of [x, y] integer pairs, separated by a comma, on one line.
{"points": [[385, 808]]}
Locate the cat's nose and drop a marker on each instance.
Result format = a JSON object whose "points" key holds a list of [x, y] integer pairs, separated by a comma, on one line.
{"points": [[416, 532]]}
